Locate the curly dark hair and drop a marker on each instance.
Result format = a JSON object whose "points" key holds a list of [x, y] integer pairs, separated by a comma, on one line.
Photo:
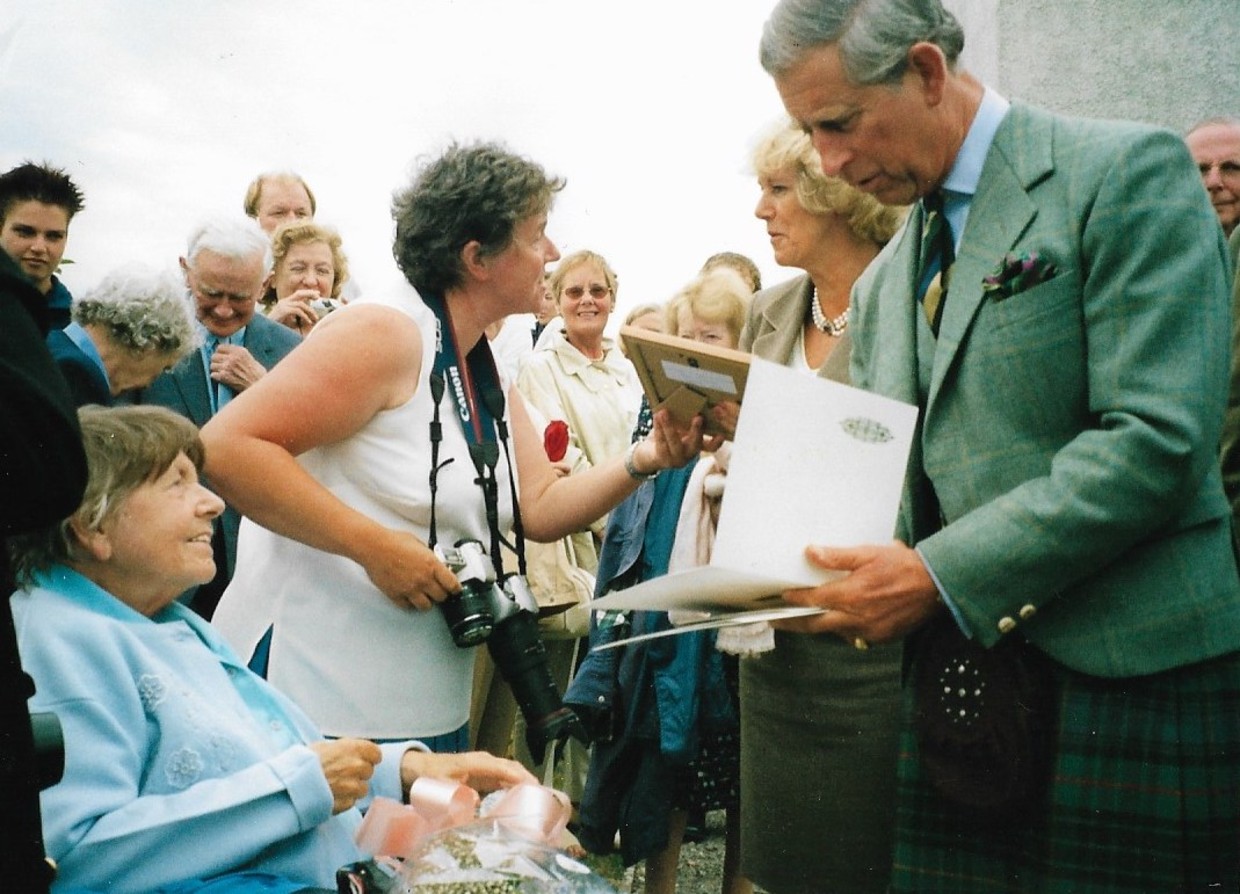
{"points": [[43, 183], [477, 192]]}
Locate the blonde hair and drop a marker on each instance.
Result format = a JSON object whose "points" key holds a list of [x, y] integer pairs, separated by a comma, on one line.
{"points": [[788, 148], [578, 259], [641, 310], [254, 192], [719, 295], [304, 232]]}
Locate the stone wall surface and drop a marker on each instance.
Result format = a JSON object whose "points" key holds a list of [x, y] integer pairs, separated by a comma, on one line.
{"points": [[1170, 63]]}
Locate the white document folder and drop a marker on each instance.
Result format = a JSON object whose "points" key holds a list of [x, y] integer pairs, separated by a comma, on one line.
{"points": [[814, 462]]}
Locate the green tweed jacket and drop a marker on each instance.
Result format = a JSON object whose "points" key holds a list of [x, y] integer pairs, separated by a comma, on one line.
{"points": [[1070, 431], [1230, 452]]}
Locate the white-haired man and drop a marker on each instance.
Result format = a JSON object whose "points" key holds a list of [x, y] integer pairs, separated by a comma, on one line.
{"points": [[225, 265], [1215, 146]]}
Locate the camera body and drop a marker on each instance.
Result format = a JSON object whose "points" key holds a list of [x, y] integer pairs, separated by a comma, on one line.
{"points": [[324, 306], [504, 615], [471, 613]]}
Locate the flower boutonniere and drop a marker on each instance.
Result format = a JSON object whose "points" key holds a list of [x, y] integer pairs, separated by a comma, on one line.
{"points": [[1016, 273]]}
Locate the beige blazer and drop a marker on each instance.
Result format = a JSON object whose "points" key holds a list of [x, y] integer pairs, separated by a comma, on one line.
{"points": [[776, 320]]}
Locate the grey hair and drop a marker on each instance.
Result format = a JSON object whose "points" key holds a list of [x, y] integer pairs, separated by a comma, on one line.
{"points": [[236, 238], [873, 36], [142, 310], [1214, 121]]}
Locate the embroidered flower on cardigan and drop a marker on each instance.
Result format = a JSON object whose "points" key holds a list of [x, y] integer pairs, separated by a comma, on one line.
{"points": [[184, 768], [1016, 273], [152, 691]]}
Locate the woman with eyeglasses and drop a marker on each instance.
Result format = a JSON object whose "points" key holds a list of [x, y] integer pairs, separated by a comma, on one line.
{"points": [[358, 459], [578, 376], [308, 273]]}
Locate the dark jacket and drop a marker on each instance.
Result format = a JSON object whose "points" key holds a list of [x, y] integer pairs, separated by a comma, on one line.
{"points": [[87, 381], [646, 702]]}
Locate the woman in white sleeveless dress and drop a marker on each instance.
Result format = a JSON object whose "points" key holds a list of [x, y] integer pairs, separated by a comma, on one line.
{"points": [[330, 461]]}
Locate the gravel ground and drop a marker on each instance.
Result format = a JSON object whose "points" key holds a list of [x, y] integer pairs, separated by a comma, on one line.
{"points": [[701, 865]]}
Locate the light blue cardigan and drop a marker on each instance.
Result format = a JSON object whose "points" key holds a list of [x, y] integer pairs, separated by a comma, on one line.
{"points": [[179, 762]]}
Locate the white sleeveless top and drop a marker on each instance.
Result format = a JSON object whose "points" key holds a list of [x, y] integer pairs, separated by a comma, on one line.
{"points": [[354, 661]]}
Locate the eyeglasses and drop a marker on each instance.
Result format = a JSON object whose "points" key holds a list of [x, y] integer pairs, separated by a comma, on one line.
{"points": [[597, 292], [1225, 168]]}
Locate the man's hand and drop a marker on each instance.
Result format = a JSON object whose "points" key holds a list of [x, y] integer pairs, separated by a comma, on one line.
{"points": [[886, 593], [234, 366], [480, 770], [348, 765]]}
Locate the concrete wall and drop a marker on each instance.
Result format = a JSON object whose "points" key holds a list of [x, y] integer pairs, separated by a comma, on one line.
{"points": [[1168, 62]]}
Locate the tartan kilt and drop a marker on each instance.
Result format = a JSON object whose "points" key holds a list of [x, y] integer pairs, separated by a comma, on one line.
{"points": [[1144, 797]]}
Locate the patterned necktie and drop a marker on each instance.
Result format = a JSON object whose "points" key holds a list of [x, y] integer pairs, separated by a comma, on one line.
{"points": [[938, 253]]}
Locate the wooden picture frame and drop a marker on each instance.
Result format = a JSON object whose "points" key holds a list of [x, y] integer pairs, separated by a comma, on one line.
{"points": [[682, 376]]}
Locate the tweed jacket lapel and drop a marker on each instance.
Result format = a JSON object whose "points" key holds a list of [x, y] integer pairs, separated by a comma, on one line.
{"points": [[897, 314], [1000, 213]]}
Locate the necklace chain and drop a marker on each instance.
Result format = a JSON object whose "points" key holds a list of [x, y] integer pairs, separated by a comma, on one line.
{"points": [[835, 326]]}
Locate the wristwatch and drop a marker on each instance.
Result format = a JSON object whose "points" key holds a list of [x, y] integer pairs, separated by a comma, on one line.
{"points": [[632, 469]]}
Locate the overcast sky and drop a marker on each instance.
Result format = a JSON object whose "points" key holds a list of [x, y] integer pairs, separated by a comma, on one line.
{"points": [[163, 112]]}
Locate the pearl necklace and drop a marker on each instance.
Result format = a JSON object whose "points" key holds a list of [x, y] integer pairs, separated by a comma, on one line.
{"points": [[834, 327]]}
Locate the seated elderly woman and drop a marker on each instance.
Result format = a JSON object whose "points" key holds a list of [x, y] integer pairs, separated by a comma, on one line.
{"points": [[131, 327], [180, 764], [309, 269]]}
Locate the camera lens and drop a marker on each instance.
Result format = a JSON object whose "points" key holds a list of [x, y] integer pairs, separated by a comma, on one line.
{"points": [[469, 617], [521, 657]]}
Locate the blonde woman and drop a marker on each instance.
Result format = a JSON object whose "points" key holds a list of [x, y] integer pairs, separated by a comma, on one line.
{"points": [[820, 718]]}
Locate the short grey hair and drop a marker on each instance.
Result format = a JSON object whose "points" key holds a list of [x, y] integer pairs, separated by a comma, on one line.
{"points": [[1214, 121], [142, 310], [873, 36], [236, 238]]}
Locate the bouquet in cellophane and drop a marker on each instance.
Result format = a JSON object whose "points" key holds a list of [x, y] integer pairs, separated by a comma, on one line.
{"points": [[447, 841]]}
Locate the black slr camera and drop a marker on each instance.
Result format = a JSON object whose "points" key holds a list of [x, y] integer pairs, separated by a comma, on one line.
{"points": [[504, 615]]}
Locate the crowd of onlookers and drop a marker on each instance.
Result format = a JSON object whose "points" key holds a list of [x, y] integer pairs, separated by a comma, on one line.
{"points": [[243, 653]]}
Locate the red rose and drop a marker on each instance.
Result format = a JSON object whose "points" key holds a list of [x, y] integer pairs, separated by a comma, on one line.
{"points": [[555, 440]]}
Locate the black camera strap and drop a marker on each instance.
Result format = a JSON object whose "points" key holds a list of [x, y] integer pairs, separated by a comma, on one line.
{"points": [[494, 399], [482, 422]]}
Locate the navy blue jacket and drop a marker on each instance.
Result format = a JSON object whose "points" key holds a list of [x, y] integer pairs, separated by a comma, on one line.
{"points": [[88, 383], [655, 696]]}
